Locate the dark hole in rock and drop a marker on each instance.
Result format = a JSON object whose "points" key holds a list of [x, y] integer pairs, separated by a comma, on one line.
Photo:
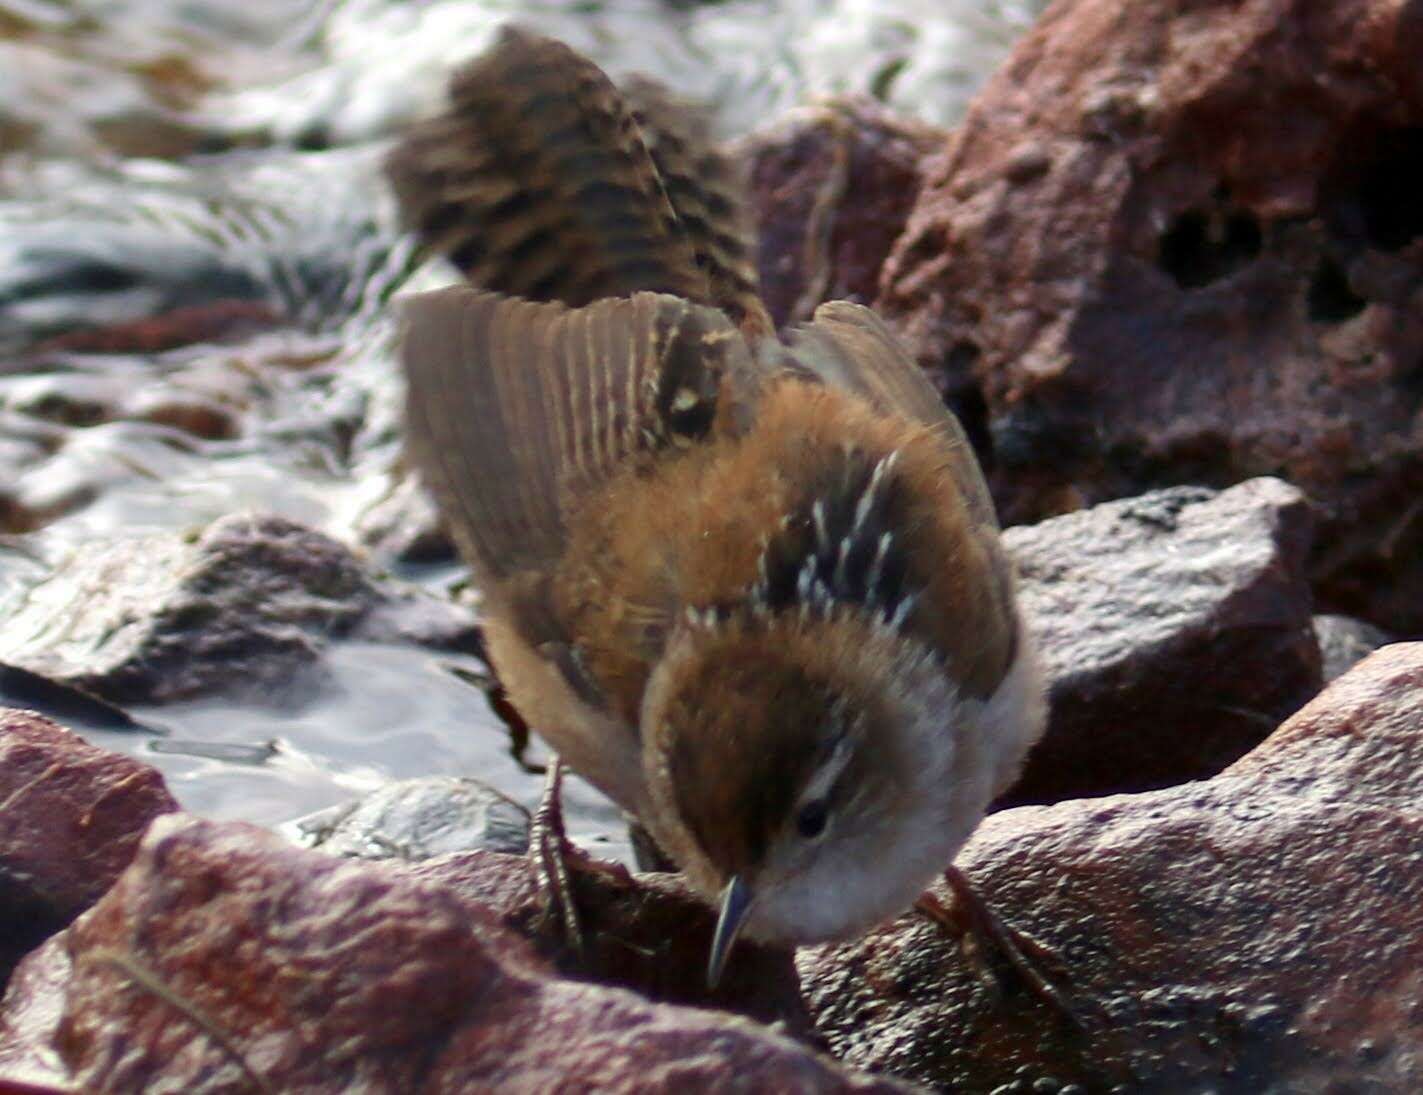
{"points": [[1391, 195], [1330, 298], [972, 410], [1410, 380], [965, 398], [1200, 247], [1029, 434]]}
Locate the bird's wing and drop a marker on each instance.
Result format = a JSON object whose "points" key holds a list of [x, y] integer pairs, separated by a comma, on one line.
{"points": [[848, 346], [516, 412]]}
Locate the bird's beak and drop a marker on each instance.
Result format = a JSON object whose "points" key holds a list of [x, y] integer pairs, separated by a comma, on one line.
{"points": [[735, 903]]}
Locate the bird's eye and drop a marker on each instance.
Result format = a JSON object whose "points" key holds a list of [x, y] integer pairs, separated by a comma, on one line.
{"points": [[812, 819]]}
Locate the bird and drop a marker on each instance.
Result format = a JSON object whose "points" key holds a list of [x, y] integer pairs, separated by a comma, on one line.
{"points": [[748, 583]]}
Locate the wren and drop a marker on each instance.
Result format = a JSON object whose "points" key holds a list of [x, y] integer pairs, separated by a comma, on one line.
{"points": [[749, 584]]}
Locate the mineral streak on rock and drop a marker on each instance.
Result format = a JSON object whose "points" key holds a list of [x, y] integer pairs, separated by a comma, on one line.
{"points": [[832, 186]]}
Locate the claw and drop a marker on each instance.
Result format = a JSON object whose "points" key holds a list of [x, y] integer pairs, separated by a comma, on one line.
{"points": [[548, 848], [979, 930]]}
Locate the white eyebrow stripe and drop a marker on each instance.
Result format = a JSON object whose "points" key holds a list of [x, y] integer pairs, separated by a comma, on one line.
{"points": [[818, 786]]}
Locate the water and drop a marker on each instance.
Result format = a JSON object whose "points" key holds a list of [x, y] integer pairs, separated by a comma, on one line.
{"points": [[224, 158]]}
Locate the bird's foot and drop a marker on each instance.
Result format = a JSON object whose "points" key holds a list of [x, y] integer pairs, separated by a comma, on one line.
{"points": [[979, 930], [548, 851]]}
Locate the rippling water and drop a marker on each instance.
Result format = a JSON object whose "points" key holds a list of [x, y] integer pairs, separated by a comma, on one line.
{"points": [[162, 155]]}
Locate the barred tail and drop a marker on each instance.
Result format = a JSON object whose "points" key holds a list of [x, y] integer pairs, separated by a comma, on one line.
{"points": [[541, 180]]}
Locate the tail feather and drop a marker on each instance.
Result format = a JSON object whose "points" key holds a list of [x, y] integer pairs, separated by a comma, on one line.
{"points": [[541, 180], [707, 189]]}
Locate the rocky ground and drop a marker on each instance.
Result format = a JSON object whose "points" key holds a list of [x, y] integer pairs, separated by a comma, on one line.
{"points": [[1168, 269]]}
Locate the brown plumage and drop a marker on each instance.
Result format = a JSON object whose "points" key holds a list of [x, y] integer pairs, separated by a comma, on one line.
{"points": [[542, 181], [738, 581]]}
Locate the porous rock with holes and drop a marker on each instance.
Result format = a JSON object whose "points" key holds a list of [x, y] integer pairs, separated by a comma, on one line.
{"points": [[1181, 242]]}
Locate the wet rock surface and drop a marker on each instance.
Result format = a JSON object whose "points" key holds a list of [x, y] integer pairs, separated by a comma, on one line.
{"points": [[183, 976], [1175, 632], [1180, 243], [244, 607], [305, 237], [417, 819], [832, 187], [70, 819], [405, 526], [1257, 931]]}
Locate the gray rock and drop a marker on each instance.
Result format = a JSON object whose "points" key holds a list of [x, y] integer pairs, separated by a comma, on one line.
{"points": [[1344, 641], [405, 526], [1175, 631], [416, 819], [245, 607]]}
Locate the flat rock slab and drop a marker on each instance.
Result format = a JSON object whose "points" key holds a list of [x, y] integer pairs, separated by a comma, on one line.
{"points": [[225, 960], [1262, 930], [1181, 243], [244, 607], [70, 819], [417, 819], [1175, 631]]}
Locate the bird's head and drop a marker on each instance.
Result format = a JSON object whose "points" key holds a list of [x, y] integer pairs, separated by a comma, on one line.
{"points": [[812, 774]]}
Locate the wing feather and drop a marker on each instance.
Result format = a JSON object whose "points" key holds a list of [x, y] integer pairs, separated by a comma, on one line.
{"points": [[518, 411], [848, 346]]}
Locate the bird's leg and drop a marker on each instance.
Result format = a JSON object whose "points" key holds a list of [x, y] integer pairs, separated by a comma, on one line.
{"points": [[979, 931], [548, 849]]}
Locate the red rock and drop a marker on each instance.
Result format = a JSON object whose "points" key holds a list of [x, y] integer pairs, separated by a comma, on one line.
{"points": [[225, 960], [1179, 242], [70, 819], [648, 933], [831, 187], [1262, 930], [29, 1019], [1175, 632], [210, 322]]}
